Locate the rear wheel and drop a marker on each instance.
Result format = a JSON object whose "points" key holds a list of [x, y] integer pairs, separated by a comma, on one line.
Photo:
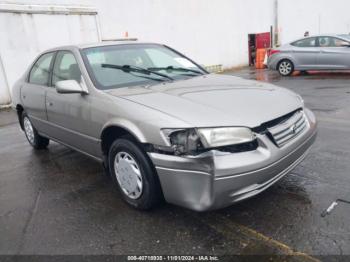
{"points": [[35, 140], [133, 174], [285, 67]]}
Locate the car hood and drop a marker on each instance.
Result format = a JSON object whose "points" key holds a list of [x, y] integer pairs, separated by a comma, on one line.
{"points": [[215, 100]]}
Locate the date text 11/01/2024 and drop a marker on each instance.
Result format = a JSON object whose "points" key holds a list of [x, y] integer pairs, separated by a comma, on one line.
{"points": [[173, 258]]}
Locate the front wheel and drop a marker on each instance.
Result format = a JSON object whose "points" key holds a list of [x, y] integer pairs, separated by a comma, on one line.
{"points": [[285, 67], [35, 140], [134, 175]]}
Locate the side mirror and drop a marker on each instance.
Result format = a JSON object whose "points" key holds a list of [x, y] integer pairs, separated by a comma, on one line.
{"points": [[69, 87]]}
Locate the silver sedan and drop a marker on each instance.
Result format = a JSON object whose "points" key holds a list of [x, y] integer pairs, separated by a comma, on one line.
{"points": [[324, 52], [163, 127]]}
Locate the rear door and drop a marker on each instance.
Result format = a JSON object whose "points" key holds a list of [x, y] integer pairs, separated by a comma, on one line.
{"points": [[305, 53], [334, 53], [34, 90], [69, 115]]}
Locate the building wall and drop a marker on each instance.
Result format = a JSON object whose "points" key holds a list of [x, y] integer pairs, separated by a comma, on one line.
{"points": [[210, 32], [318, 17]]}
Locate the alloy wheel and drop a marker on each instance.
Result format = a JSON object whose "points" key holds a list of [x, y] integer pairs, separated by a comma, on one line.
{"points": [[285, 68]]}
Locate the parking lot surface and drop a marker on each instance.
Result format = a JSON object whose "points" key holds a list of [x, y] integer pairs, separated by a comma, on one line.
{"points": [[58, 201]]}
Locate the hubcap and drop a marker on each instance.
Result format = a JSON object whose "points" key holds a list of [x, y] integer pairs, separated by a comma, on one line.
{"points": [[128, 175], [285, 68], [28, 129]]}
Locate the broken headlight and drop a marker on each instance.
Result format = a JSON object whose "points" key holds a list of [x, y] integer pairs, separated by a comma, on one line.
{"points": [[183, 141], [187, 141]]}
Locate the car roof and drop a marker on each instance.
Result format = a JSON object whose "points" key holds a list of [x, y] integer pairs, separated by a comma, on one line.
{"points": [[98, 44], [333, 35], [342, 36]]}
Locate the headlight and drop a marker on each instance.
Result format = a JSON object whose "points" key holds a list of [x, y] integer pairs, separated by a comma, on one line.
{"points": [[182, 140], [191, 140], [223, 136]]}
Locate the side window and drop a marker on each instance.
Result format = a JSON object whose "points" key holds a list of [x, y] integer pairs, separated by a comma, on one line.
{"points": [[308, 42], [65, 68], [340, 43], [327, 41], [40, 72]]}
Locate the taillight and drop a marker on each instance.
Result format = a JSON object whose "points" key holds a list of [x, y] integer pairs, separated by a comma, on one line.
{"points": [[274, 51]]}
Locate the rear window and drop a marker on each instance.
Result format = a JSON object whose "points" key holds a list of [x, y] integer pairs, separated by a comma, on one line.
{"points": [[347, 37], [307, 42], [328, 41], [40, 72]]}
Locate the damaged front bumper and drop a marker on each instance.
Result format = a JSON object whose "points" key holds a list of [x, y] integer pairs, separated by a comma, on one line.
{"points": [[217, 179]]}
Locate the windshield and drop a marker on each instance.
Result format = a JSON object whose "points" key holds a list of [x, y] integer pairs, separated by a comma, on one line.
{"points": [[136, 64]]}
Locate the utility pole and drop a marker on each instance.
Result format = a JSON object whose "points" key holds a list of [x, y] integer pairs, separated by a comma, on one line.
{"points": [[276, 26]]}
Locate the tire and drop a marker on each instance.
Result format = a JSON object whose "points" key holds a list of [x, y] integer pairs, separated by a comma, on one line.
{"points": [[105, 167], [285, 67], [35, 140], [133, 174]]}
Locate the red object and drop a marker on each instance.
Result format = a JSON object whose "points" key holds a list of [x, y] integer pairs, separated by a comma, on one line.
{"points": [[274, 51], [263, 40]]}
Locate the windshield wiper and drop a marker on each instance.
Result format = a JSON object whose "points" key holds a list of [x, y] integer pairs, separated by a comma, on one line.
{"points": [[136, 69], [171, 68]]}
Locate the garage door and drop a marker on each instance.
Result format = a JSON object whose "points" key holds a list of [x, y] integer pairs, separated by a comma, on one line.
{"points": [[26, 30]]}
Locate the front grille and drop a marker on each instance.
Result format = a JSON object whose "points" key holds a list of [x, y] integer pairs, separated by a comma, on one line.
{"points": [[287, 130], [245, 147]]}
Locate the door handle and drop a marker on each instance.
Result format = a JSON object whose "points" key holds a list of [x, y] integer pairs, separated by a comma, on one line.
{"points": [[49, 103]]}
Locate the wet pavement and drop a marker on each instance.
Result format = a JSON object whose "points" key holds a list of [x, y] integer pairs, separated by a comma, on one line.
{"points": [[58, 201]]}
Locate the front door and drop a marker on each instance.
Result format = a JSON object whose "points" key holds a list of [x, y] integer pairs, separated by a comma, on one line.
{"points": [[34, 90], [305, 53], [334, 53], [69, 114]]}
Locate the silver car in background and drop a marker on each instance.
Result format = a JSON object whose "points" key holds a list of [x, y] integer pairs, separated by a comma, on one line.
{"points": [[163, 127], [323, 52]]}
